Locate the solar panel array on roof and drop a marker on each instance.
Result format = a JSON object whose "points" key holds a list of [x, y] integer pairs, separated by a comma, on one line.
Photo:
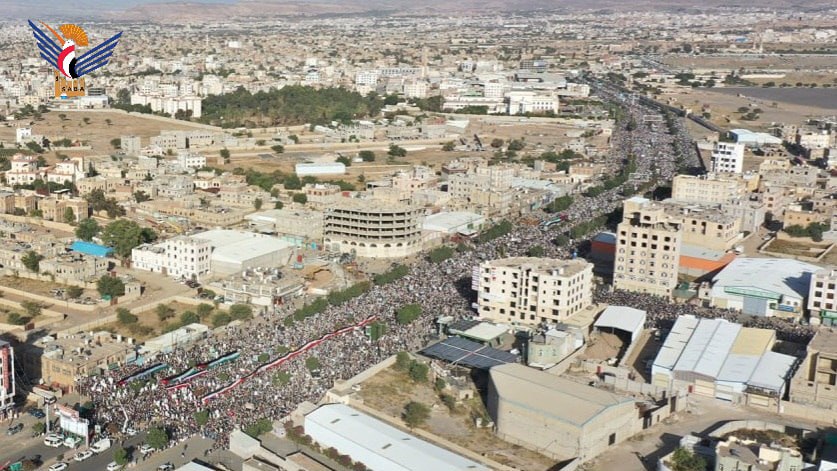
{"points": [[463, 324], [467, 353]]}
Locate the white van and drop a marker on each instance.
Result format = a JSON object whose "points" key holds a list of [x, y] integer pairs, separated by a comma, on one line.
{"points": [[100, 446], [72, 442]]}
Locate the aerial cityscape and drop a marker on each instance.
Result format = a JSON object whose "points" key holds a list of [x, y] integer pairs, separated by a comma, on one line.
{"points": [[258, 235]]}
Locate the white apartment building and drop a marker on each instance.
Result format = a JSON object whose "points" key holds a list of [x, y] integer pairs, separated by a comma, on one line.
{"points": [[728, 157], [367, 77], [191, 160], [495, 89], [822, 296], [522, 102], [531, 291], [647, 249], [169, 104], [24, 170], [482, 178], [178, 257], [415, 89], [7, 378], [131, 145], [23, 135], [69, 170]]}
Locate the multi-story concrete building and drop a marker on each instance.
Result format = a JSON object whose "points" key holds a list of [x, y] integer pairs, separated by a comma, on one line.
{"points": [[64, 360], [532, 291], [7, 378], [68, 170], [711, 188], [24, 170], [735, 454], [647, 249], [822, 296], [291, 225], [178, 257], [524, 102], [131, 145], [706, 227], [372, 228], [728, 157], [815, 382]]}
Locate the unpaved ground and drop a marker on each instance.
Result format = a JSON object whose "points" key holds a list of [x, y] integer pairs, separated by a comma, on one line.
{"points": [[389, 391]]}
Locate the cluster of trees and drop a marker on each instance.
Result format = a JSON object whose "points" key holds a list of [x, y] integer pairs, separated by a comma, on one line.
{"points": [[613, 182], [99, 202], [814, 230], [498, 230], [557, 205], [416, 370], [394, 273], [408, 313], [333, 299], [110, 286], [290, 105], [440, 254]]}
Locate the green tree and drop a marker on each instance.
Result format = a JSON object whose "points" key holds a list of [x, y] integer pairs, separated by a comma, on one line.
{"points": [[312, 363], [32, 261], [396, 151], [15, 318], [69, 215], [516, 145], [164, 312], [124, 235], [257, 203], [202, 418], [497, 143], [157, 438], [278, 148], [189, 317], [418, 372], [403, 361], [33, 309], [124, 317], [261, 427], [448, 146], [116, 143], [685, 460], [366, 155], [87, 229], [141, 196], [292, 182], [39, 428], [110, 286], [415, 414], [408, 313], [225, 154], [74, 292], [220, 319], [240, 312], [203, 310], [535, 251], [440, 254], [300, 198], [120, 456]]}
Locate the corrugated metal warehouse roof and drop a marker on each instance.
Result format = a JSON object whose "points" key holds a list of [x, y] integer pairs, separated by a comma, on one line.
{"points": [[560, 398]]}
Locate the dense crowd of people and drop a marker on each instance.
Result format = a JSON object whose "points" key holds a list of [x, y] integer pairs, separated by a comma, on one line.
{"points": [[441, 289]]}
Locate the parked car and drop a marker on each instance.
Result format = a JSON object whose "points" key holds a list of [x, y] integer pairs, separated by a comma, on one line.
{"points": [[146, 449], [130, 432], [14, 429], [59, 466], [37, 413], [83, 455], [165, 467], [101, 445], [53, 442], [112, 466]]}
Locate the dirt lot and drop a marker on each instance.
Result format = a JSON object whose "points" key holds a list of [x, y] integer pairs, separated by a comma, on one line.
{"points": [[390, 390], [794, 248], [97, 131], [42, 288]]}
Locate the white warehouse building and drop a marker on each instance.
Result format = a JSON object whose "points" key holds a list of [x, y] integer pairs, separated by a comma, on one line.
{"points": [[377, 445]]}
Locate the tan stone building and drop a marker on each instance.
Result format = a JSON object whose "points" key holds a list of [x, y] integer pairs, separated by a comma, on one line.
{"points": [[530, 291], [647, 248], [708, 189], [815, 382], [66, 359]]}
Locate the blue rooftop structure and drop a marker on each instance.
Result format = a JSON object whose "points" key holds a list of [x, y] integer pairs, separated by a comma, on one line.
{"points": [[90, 248]]}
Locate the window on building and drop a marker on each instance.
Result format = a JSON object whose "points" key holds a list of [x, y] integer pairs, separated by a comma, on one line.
{"points": [[611, 440]]}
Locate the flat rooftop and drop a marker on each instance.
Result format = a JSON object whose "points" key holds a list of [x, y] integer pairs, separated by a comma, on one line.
{"points": [[542, 265]]}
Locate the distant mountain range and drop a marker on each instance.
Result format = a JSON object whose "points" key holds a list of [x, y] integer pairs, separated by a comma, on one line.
{"points": [[169, 11]]}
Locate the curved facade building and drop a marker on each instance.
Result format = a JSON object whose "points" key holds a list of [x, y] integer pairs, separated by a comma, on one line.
{"points": [[372, 228]]}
